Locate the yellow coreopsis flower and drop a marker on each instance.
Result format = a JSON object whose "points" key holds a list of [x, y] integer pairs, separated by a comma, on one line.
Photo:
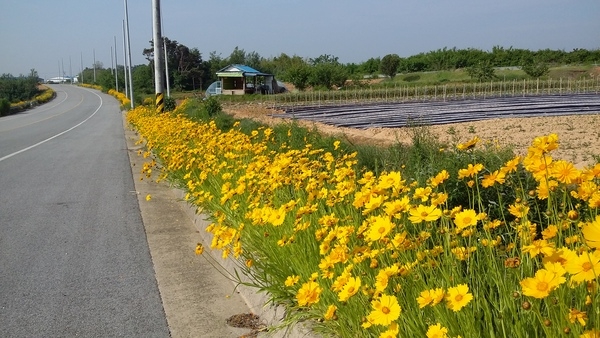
{"points": [[330, 313], [424, 213], [470, 171], [437, 331], [518, 210], [276, 216], [469, 144], [351, 287], [465, 218], [439, 178], [490, 179], [540, 246], [439, 199], [584, 267], [309, 294], [594, 201], [385, 310], [585, 190], [391, 332], [390, 180], [593, 333], [395, 207], [373, 202], [458, 297], [544, 144], [431, 296], [550, 232], [577, 316], [148, 197], [544, 187], [538, 165], [379, 228], [542, 284], [383, 277], [463, 253], [511, 165], [291, 280], [565, 172], [591, 233], [422, 194]]}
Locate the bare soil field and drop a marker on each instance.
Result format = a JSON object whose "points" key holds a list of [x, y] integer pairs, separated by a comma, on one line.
{"points": [[579, 135]]}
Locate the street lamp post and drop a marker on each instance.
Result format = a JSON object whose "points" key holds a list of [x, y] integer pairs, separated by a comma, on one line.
{"points": [[159, 83], [129, 54]]}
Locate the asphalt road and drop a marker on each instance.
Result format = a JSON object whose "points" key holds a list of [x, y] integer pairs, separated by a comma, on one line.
{"points": [[74, 260]]}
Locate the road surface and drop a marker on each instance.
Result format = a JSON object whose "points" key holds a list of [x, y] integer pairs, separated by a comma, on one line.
{"points": [[74, 260]]}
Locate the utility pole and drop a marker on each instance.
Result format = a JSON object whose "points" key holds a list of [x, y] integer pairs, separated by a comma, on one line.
{"points": [[94, 65], [125, 62], [167, 68], [81, 56], [112, 62], [116, 67], [159, 82], [129, 54], [167, 79]]}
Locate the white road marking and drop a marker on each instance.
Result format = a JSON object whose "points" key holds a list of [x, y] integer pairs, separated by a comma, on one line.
{"points": [[57, 135]]}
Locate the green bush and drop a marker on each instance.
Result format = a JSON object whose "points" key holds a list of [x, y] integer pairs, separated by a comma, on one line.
{"points": [[170, 103], [4, 107], [212, 106]]}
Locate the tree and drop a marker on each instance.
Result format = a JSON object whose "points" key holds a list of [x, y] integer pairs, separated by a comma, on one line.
{"points": [[299, 75], [238, 56], [326, 72], [483, 71], [389, 65], [371, 66], [534, 69], [142, 77], [187, 71]]}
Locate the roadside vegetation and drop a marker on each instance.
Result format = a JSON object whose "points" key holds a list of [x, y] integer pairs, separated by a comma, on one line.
{"points": [[427, 240], [21, 93]]}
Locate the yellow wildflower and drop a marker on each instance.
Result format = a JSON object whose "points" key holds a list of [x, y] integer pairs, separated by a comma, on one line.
{"points": [[458, 297], [584, 267], [309, 294], [470, 171], [577, 316], [465, 218], [437, 331], [330, 313], [591, 233], [351, 287], [424, 213], [542, 284], [291, 280], [385, 310]]}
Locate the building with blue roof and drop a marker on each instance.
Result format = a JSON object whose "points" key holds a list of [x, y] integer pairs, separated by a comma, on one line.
{"points": [[241, 79]]}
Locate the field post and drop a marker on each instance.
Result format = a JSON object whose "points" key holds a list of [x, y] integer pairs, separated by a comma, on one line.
{"points": [[513, 91], [445, 92]]}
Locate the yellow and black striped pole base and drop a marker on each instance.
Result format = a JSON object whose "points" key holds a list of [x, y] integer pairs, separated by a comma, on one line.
{"points": [[160, 102]]}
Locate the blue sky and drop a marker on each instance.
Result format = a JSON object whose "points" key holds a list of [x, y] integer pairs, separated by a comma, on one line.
{"points": [[42, 34]]}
